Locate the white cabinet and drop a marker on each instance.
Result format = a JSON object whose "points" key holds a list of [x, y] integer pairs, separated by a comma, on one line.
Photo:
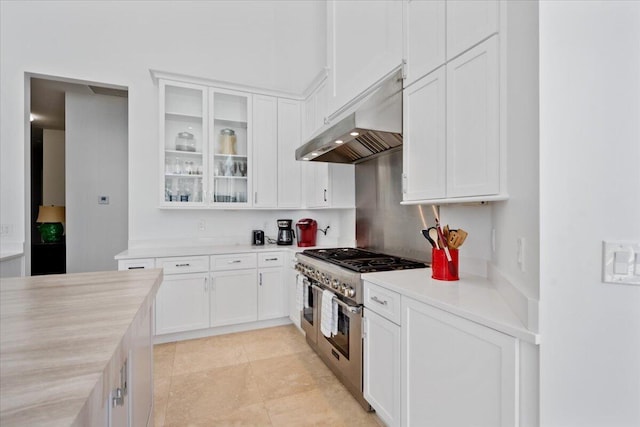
{"points": [[184, 143], [182, 300], [205, 139], [329, 185], [136, 264], [272, 295], [289, 170], [424, 37], [230, 139], [265, 151], [381, 355], [473, 122], [469, 22], [290, 282], [462, 148], [182, 303], [315, 110], [456, 372], [364, 44], [234, 297], [424, 151]]}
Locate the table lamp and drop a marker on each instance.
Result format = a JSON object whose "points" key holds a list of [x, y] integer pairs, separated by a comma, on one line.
{"points": [[51, 219]]}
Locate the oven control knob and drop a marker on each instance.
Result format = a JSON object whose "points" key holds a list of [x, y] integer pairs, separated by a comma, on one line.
{"points": [[343, 288], [327, 280], [335, 284], [350, 292]]}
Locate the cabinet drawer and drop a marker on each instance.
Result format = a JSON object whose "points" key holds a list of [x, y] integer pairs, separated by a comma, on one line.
{"points": [[271, 259], [382, 301], [179, 265], [136, 264], [233, 262]]}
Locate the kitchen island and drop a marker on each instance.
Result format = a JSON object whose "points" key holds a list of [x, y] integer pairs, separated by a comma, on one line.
{"points": [[64, 340]]}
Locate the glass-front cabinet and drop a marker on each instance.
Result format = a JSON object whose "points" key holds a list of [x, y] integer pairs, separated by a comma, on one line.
{"points": [[230, 138], [206, 141], [184, 139]]}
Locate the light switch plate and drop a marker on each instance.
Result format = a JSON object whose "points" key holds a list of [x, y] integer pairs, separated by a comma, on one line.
{"points": [[620, 262]]}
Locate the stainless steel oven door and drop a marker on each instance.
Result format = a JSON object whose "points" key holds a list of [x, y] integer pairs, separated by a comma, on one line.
{"points": [[343, 351], [309, 315]]}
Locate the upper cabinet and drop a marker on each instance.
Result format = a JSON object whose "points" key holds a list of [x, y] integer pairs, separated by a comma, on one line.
{"points": [[183, 139], [451, 114], [289, 138], [364, 44], [205, 136], [425, 37], [265, 148], [231, 146], [468, 23]]}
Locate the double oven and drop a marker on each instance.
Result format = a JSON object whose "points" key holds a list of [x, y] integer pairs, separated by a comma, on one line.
{"points": [[338, 270]]}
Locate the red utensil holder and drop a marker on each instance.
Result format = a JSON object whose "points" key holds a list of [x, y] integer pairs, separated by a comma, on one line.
{"points": [[440, 265]]}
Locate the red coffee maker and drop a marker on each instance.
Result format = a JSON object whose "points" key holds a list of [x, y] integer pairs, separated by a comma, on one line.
{"points": [[307, 229]]}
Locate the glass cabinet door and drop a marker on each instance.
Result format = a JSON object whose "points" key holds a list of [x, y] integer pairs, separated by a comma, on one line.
{"points": [[230, 143], [183, 130]]}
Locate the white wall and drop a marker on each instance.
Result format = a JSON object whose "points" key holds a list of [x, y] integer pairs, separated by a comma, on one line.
{"points": [[589, 192], [518, 217], [96, 165], [53, 167], [271, 44]]}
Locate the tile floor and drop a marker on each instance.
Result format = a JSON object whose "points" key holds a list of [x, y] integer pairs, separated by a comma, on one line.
{"points": [[267, 377]]}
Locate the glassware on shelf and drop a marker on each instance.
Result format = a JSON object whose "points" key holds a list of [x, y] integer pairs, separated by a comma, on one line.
{"points": [[188, 167], [228, 141], [185, 142], [177, 166]]}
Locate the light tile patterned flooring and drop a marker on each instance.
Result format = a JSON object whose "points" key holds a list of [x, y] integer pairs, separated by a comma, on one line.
{"points": [[267, 377]]}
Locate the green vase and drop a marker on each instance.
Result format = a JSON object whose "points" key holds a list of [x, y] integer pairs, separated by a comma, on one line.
{"points": [[51, 232]]}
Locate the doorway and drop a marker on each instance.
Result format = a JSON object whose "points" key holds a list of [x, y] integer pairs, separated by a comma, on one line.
{"points": [[79, 164]]}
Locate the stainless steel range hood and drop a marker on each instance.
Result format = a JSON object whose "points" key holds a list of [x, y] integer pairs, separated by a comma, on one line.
{"points": [[370, 126]]}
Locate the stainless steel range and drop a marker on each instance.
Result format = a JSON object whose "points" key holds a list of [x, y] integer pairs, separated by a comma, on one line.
{"points": [[339, 270]]}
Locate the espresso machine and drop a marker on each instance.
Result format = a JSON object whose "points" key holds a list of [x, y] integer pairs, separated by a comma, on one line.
{"points": [[285, 232]]}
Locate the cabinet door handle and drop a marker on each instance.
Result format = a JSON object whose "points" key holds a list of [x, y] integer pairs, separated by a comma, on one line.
{"points": [[260, 279], [271, 259], [234, 261], [325, 194], [205, 284], [379, 301], [404, 182], [255, 197], [136, 268], [186, 264]]}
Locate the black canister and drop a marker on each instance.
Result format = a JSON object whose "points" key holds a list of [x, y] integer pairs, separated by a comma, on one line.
{"points": [[258, 238]]}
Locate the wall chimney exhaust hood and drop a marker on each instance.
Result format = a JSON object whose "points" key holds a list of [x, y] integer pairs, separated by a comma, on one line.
{"points": [[369, 126]]}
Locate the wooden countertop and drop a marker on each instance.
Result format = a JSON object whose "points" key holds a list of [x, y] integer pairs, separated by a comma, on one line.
{"points": [[58, 337]]}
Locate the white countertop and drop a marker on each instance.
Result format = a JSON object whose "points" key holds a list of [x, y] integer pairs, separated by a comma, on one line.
{"points": [[472, 297], [174, 251]]}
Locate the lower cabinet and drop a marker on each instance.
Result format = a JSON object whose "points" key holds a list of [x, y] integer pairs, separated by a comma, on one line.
{"points": [[234, 297], [456, 372], [272, 297], [182, 303], [382, 370]]}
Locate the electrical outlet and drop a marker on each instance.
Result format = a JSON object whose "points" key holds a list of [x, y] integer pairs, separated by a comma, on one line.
{"points": [[202, 225], [103, 200], [520, 252]]}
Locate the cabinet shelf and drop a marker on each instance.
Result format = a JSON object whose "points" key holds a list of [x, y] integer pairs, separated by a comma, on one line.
{"points": [[182, 116], [227, 122], [184, 153], [232, 156], [183, 175], [229, 177]]}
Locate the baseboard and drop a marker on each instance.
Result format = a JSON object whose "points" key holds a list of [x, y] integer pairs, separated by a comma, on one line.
{"points": [[220, 330]]}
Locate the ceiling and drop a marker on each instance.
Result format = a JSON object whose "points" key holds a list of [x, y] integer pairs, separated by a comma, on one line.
{"points": [[47, 100]]}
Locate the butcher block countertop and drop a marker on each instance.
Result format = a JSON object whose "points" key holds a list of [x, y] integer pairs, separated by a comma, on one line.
{"points": [[60, 338]]}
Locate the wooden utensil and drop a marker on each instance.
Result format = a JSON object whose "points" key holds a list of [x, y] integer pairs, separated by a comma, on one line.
{"points": [[457, 238]]}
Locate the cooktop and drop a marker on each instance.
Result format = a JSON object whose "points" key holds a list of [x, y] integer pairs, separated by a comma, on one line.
{"points": [[363, 261]]}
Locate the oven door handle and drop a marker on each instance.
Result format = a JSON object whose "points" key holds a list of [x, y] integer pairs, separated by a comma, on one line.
{"points": [[350, 308]]}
